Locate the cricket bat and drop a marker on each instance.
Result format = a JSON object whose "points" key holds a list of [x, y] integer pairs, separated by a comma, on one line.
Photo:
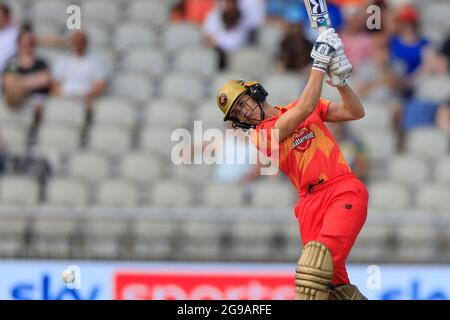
{"points": [[318, 14]]}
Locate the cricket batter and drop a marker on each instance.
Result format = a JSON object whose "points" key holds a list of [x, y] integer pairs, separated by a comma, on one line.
{"points": [[333, 201]]}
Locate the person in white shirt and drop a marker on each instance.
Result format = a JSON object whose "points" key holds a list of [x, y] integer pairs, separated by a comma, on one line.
{"points": [[8, 36], [80, 75]]}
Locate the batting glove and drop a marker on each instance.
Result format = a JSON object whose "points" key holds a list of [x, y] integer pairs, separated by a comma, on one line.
{"points": [[325, 48]]}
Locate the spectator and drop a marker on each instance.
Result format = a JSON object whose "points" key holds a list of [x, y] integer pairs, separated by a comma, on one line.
{"points": [[226, 29], [194, 11], [8, 36], [26, 78], [80, 75], [352, 148], [407, 45], [357, 41], [295, 48], [436, 61]]}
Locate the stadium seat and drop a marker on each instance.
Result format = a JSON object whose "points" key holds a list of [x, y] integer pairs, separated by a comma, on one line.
{"points": [[156, 141], [435, 14], [46, 28], [156, 114], [388, 196], [183, 86], [442, 171], [64, 112], [181, 36], [132, 36], [117, 194], [98, 35], [270, 37], [140, 168], [63, 192], [134, 86], [210, 115], [153, 237], [120, 115], [428, 143], [49, 10], [22, 118], [102, 11], [170, 193], [107, 58], [377, 117], [283, 192], [89, 167], [155, 13], [245, 61], [196, 60], [283, 86], [434, 88], [14, 138], [197, 174], [149, 60], [434, 197], [380, 144], [18, 191], [223, 195], [109, 140], [417, 243], [58, 138], [219, 79], [408, 169]]}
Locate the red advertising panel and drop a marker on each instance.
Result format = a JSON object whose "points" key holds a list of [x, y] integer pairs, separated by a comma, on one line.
{"points": [[129, 285]]}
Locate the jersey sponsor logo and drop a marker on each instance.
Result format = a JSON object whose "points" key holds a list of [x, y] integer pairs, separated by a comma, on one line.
{"points": [[302, 139]]}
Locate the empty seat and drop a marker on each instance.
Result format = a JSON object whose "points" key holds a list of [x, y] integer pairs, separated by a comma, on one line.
{"points": [[377, 118], [140, 168], [49, 10], [156, 141], [150, 60], [427, 143], [408, 169], [270, 37], [181, 36], [116, 193], [435, 15], [13, 137], [389, 196], [442, 170], [199, 174], [380, 144], [417, 242], [131, 35], [434, 197], [196, 60], [284, 194], [160, 114], [115, 114], [154, 13], [133, 86], [210, 115], [284, 86], [246, 59], [18, 191], [219, 80], [182, 86], [98, 34], [90, 167], [102, 11], [169, 193], [66, 193], [58, 138], [109, 140], [434, 88], [64, 112], [223, 195]]}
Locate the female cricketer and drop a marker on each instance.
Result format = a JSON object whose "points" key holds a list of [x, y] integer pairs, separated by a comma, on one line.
{"points": [[333, 203]]}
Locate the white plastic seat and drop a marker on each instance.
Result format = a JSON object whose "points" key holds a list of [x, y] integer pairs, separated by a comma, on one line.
{"points": [[434, 88], [182, 86], [64, 112], [223, 195], [98, 35], [140, 168], [53, 10], [116, 193], [284, 194], [18, 191], [408, 169], [63, 192], [134, 86], [196, 60], [133, 35], [115, 115], [154, 13], [442, 171], [111, 141], [103, 11], [210, 115], [168, 193], [246, 59], [89, 167], [156, 140], [14, 137], [434, 197], [164, 116], [283, 86], [181, 36], [389, 196], [219, 79], [58, 138], [428, 143], [150, 60], [270, 37], [380, 144], [377, 117]]}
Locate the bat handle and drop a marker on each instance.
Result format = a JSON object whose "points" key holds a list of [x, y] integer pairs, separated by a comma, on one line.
{"points": [[322, 29]]}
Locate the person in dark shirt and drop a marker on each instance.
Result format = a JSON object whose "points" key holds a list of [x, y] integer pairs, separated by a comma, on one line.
{"points": [[26, 78]]}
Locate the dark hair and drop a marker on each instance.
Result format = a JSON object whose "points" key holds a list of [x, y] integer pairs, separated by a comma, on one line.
{"points": [[24, 28], [5, 8]]}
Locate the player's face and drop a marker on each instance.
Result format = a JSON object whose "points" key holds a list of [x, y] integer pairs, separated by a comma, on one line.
{"points": [[246, 110]]}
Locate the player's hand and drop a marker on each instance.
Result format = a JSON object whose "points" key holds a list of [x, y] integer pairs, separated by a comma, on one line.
{"points": [[337, 81], [325, 48], [340, 65]]}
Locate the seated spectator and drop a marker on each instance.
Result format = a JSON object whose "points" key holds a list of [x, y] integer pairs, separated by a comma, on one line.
{"points": [[193, 11], [357, 41], [407, 45], [226, 29], [26, 78], [79, 75], [295, 48], [417, 113], [8, 36], [352, 148], [436, 61]]}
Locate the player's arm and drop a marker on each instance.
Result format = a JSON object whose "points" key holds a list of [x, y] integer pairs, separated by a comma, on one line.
{"points": [[350, 108], [289, 121]]}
